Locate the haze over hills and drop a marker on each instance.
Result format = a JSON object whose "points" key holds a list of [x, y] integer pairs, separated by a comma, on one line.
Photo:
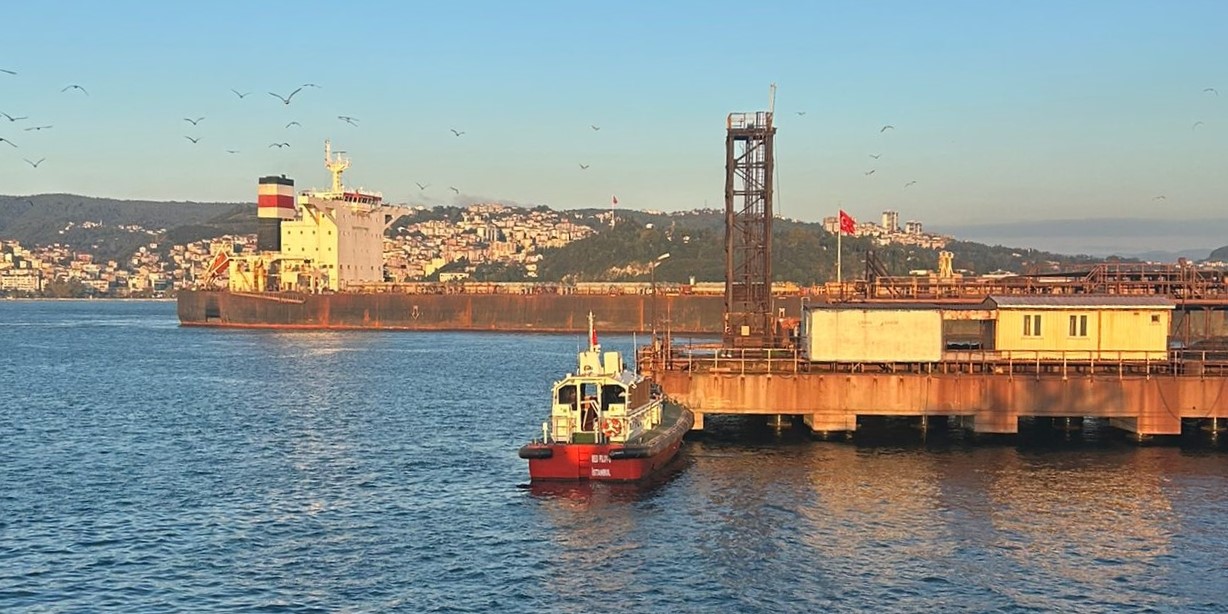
{"points": [[110, 228], [113, 229], [1154, 239]]}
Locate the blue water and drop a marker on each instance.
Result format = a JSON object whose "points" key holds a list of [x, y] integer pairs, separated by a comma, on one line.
{"points": [[147, 467]]}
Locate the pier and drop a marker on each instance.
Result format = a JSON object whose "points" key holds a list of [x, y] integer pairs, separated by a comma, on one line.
{"points": [[984, 391]]}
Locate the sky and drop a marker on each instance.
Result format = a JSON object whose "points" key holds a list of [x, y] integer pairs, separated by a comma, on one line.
{"points": [[1002, 111]]}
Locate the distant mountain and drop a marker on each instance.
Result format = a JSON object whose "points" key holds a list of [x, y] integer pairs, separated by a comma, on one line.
{"points": [[1146, 239], [802, 251], [44, 219], [1192, 255]]}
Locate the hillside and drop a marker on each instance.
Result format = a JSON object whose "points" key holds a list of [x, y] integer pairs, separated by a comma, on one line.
{"points": [[802, 252], [112, 229]]}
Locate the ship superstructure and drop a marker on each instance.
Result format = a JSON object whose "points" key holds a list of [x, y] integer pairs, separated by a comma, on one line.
{"points": [[319, 240]]}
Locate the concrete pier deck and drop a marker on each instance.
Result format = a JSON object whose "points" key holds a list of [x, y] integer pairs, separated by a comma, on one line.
{"points": [[1145, 398]]}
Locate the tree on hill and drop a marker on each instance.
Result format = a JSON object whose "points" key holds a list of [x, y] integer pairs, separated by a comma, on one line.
{"points": [[70, 288]]}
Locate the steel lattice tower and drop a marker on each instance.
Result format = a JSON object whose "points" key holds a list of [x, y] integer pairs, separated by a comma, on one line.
{"points": [[748, 229]]}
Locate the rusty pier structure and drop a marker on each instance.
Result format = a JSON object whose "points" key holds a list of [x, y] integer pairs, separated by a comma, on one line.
{"points": [[984, 391], [1114, 342]]}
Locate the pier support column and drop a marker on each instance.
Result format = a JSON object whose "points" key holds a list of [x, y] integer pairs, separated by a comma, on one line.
{"points": [[827, 423], [999, 422], [698, 424]]}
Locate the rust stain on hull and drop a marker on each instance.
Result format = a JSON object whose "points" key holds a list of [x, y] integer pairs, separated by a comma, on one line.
{"points": [[681, 314]]}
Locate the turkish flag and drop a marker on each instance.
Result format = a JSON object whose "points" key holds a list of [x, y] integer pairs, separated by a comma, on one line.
{"points": [[847, 224], [613, 200]]}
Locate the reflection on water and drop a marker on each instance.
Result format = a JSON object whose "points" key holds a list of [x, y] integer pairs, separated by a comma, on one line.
{"points": [[257, 470]]}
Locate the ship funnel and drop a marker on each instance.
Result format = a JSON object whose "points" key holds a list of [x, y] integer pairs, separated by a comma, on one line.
{"points": [[274, 203]]}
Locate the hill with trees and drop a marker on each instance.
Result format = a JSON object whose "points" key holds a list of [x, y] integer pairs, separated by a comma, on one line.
{"points": [[802, 252], [114, 229]]}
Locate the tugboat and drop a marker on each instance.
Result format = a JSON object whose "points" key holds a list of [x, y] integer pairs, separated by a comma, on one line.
{"points": [[606, 423]]}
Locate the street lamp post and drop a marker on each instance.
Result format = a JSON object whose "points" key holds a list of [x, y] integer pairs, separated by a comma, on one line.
{"points": [[653, 286]]}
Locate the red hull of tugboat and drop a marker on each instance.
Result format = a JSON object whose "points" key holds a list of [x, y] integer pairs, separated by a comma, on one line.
{"points": [[577, 461]]}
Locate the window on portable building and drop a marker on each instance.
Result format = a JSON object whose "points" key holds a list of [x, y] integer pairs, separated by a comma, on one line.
{"points": [[1078, 326], [1031, 325]]}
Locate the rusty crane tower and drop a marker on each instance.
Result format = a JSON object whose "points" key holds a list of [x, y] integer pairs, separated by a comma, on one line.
{"points": [[748, 228]]}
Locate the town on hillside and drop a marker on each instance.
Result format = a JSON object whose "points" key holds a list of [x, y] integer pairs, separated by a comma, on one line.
{"points": [[432, 244], [484, 234]]}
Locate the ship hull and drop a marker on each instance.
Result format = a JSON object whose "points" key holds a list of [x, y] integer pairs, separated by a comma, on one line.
{"points": [[592, 462], [552, 313], [606, 462]]}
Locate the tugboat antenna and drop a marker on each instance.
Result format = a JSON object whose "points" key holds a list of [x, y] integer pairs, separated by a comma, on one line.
{"points": [[592, 334]]}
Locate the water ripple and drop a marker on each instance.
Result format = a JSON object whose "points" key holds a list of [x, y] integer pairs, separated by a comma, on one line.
{"points": [[145, 467]]}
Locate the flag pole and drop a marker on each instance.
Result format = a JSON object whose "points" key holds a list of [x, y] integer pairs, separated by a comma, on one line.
{"points": [[839, 251]]}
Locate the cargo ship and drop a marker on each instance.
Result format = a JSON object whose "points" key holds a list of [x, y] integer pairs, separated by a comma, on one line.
{"points": [[319, 264], [606, 423]]}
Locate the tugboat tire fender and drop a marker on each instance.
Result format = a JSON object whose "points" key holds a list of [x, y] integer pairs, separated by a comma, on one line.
{"points": [[535, 452]]}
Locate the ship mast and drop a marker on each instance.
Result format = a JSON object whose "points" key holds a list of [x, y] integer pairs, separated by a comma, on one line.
{"points": [[593, 346], [335, 165]]}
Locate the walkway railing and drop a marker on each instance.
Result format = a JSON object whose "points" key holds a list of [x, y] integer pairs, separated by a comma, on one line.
{"points": [[712, 358]]}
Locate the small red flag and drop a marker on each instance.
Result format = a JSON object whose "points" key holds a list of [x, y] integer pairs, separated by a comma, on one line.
{"points": [[847, 224], [613, 200], [592, 337]]}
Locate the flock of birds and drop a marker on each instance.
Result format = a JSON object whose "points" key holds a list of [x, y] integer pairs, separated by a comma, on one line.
{"points": [[75, 88], [195, 121], [886, 127], [39, 128]]}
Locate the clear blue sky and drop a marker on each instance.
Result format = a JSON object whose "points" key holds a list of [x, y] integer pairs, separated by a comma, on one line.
{"points": [[1002, 110]]}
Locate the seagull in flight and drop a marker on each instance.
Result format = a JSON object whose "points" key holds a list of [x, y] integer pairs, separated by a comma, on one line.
{"points": [[279, 145], [294, 124], [3, 70], [353, 121], [286, 99], [869, 172], [454, 190], [241, 95], [885, 128], [910, 183], [37, 128], [456, 132], [875, 156], [422, 186], [595, 127], [34, 164], [1160, 197], [232, 151], [584, 167], [11, 118], [1196, 124], [1212, 90], [8, 141], [74, 86], [801, 113], [193, 121], [310, 85], [194, 140]]}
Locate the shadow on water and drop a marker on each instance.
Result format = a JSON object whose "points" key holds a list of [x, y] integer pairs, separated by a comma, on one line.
{"points": [[942, 433]]}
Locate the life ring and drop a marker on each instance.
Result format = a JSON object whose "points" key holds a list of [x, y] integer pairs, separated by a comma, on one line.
{"points": [[587, 369], [612, 427]]}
